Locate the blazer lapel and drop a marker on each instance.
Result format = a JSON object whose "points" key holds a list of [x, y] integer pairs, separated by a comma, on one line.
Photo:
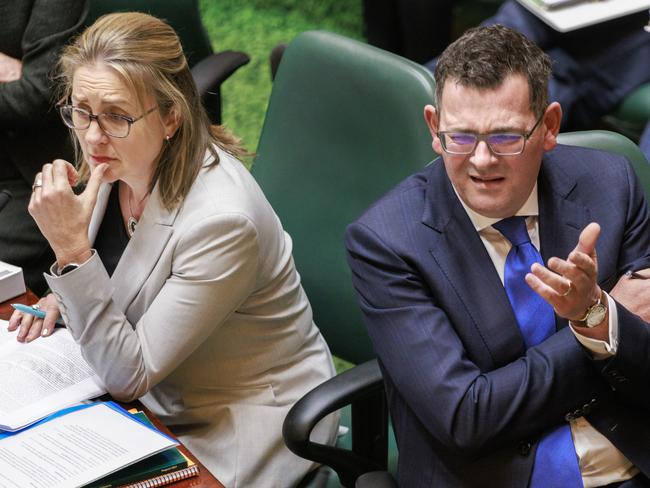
{"points": [[560, 220], [459, 252], [143, 251]]}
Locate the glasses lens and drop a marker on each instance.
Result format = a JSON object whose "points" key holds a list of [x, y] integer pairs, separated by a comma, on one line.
{"points": [[506, 143], [73, 117], [114, 125], [459, 142]]}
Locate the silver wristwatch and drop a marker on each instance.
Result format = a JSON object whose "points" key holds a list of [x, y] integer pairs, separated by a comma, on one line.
{"points": [[594, 315]]}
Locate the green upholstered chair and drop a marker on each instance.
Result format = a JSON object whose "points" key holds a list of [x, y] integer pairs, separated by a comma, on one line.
{"points": [[209, 69], [631, 116], [612, 142], [344, 125]]}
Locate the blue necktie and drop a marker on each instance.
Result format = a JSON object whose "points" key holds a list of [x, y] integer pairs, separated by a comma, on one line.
{"points": [[556, 463]]}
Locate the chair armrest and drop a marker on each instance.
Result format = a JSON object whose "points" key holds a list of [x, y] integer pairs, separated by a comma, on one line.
{"points": [[376, 479], [211, 72], [349, 387]]}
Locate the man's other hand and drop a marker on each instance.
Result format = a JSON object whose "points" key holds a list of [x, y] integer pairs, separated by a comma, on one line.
{"points": [[633, 292]]}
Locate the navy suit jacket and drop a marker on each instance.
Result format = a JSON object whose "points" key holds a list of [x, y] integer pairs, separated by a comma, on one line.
{"points": [[468, 403]]}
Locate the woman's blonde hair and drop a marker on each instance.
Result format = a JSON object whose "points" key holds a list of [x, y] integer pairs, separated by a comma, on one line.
{"points": [[146, 52]]}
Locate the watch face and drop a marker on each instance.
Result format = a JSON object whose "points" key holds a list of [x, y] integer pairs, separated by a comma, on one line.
{"points": [[596, 315]]}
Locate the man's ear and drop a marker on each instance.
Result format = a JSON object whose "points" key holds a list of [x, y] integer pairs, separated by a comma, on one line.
{"points": [[551, 125], [432, 120]]}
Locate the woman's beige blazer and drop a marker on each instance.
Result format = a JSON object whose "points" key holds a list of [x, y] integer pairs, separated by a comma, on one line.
{"points": [[205, 320]]}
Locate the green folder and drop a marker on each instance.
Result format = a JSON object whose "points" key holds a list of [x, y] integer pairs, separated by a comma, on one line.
{"points": [[164, 462]]}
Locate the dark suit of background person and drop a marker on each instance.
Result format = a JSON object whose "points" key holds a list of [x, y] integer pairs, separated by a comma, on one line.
{"points": [[415, 29], [594, 68], [469, 403], [31, 133]]}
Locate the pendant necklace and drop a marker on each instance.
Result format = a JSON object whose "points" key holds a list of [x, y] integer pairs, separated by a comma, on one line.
{"points": [[132, 222]]}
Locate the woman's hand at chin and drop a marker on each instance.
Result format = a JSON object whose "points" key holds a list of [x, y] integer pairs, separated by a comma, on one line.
{"points": [[62, 216]]}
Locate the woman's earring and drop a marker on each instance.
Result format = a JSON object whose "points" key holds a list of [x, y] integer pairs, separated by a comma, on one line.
{"points": [[167, 138]]}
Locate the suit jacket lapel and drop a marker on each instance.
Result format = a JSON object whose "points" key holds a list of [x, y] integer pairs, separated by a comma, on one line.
{"points": [[458, 250], [560, 219], [143, 250]]}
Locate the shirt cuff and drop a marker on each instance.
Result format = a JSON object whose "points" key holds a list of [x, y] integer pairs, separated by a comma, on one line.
{"points": [[602, 349]]}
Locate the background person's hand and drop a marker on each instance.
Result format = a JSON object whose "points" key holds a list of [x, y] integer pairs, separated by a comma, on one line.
{"points": [[62, 216], [11, 69], [32, 327]]}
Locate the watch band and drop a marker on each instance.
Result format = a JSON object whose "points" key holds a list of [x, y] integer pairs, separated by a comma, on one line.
{"points": [[594, 315], [66, 269]]}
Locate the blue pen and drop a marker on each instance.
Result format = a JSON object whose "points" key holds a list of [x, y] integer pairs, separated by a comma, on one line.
{"points": [[34, 311]]}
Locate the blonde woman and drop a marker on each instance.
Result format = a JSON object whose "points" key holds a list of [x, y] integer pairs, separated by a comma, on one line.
{"points": [[172, 271]]}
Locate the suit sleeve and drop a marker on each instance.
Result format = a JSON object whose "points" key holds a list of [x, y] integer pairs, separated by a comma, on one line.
{"points": [[468, 410], [24, 102], [213, 272]]}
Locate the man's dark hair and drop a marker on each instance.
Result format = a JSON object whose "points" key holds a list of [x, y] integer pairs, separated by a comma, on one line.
{"points": [[484, 56]]}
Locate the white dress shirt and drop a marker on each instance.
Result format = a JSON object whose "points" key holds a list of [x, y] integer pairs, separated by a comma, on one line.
{"points": [[601, 463]]}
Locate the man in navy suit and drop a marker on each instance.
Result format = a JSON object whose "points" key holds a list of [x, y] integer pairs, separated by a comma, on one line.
{"points": [[472, 399]]}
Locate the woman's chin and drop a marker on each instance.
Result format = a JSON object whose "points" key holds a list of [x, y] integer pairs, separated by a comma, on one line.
{"points": [[109, 177]]}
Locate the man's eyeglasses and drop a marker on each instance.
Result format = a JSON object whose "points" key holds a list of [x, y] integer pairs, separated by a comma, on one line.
{"points": [[114, 125], [501, 144]]}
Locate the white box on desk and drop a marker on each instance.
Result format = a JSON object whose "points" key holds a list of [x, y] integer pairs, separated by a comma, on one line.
{"points": [[12, 282]]}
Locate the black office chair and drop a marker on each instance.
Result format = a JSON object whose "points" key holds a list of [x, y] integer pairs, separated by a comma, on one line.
{"points": [[209, 69], [344, 125], [275, 57]]}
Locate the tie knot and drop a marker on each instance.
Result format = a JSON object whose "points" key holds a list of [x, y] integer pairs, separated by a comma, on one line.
{"points": [[514, 229]]}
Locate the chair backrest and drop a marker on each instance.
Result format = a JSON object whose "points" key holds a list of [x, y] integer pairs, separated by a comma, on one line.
{"points": [[616, 143], [183, 15], [631, 116], [344, 125]]}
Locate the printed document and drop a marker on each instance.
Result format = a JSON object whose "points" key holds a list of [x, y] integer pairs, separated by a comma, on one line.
{"points": [[71, 450], [41, 377]]}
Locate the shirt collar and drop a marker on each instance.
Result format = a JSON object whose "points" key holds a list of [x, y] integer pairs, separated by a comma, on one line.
{"points": [[480, 222]]}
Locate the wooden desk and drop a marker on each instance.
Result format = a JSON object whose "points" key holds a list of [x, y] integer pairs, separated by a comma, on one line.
{"points": [[203, 480]]}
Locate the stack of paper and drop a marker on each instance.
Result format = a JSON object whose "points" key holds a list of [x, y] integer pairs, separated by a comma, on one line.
{"points": [[551, 4], [158, 470], [41, 377], [76, 447]]}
